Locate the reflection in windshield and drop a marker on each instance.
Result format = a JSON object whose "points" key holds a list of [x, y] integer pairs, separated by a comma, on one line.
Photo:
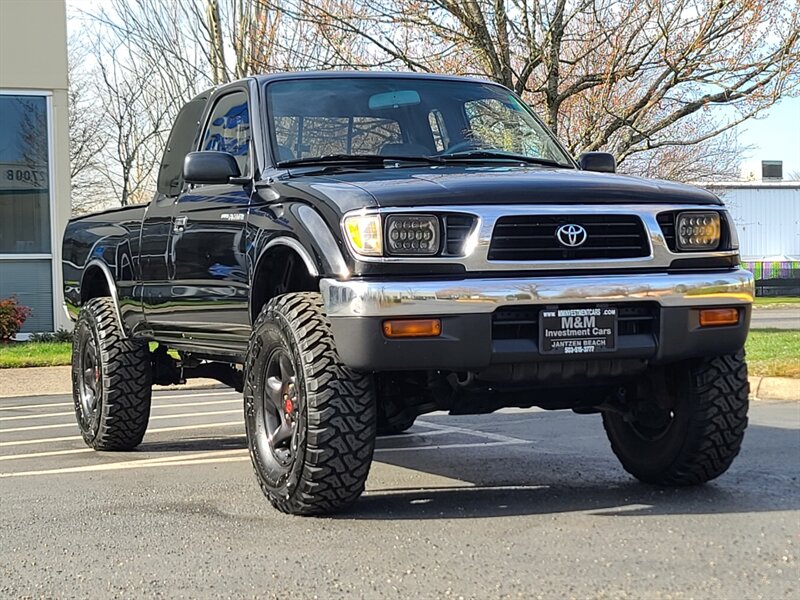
{"points": [[403, 117]]}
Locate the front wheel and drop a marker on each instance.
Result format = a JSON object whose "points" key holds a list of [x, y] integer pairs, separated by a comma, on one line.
{"points": [[689, 428], [310, 420]]}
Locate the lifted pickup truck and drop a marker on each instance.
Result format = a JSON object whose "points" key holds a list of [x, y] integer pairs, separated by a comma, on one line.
{"points": [[353, 250]]}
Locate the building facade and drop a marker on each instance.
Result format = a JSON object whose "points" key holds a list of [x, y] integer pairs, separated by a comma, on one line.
{"points": [[34, 157], [767, 217]]}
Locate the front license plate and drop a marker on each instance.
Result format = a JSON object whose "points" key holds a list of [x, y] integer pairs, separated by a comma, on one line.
{"points": [[586, 330]]}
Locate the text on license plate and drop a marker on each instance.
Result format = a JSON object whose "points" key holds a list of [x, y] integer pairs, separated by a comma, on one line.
{"points": [[577, 330]]}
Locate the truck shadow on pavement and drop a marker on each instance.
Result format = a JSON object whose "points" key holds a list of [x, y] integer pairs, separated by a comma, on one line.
{"points": [[550, 465], [198, 444], [548, 476]]}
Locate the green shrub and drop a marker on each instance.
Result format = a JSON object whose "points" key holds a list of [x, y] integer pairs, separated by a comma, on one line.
{"points": [[62, 335], [12, 316]]}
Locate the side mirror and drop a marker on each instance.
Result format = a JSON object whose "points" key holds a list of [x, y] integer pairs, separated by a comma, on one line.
{"points": [[210, 167], [602, 162]]}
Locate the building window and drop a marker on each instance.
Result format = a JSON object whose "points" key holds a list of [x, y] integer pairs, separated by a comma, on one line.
{"points": [[31, 281], [24, 180], [25, 229]]}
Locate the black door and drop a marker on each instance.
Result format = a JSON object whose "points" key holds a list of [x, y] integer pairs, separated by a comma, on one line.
{"points": [[208, 270], [154, 259]]}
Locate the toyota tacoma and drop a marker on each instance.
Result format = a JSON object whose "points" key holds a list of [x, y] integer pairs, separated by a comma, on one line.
{"points": [[353, 250]]}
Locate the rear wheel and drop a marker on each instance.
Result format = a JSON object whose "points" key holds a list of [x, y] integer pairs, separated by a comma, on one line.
{"points": [[111, 380], [310, 420], [690, 426]]}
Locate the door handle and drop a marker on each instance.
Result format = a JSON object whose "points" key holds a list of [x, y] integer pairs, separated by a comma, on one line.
{"points": [[179, 225]]}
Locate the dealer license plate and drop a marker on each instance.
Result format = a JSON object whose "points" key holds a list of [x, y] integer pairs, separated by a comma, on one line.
{"points": [[586, 330]]}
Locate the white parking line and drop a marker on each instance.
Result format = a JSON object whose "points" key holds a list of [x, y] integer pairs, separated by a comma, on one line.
{"points": [[44, 454], [68, 402], [476, 432], [451, 446], [34, 455], [71, 438], [410, 434], [217, 457], [178, 416], [153, 407], [47, 405], [199, 458]]}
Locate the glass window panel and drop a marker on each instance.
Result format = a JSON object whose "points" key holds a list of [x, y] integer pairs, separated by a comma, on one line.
{"points": [[24, 180], [321, 136], [229, 129], [184, 132], [31, 281], [390, 116]]}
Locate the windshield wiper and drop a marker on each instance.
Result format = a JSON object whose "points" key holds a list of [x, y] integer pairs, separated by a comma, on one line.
{"points": [[359, 159], [501, 155]]}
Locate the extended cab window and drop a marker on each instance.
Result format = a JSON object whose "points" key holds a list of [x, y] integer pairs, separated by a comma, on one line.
{"points": [[228, 129], [181, 138]]}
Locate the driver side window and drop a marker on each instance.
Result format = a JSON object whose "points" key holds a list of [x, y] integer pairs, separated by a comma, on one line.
{"points": [[228, 129]]}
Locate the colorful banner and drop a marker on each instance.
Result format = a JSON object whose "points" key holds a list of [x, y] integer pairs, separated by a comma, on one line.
{"points": [[789, 269]]}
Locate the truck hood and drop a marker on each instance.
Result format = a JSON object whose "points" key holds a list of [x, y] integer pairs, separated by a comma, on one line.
{"points": [[455, 185]]}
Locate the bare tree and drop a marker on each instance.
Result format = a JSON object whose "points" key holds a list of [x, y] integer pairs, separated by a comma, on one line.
{"points": [[620, 75], [136, 116], [88, 138], [644, 80]]}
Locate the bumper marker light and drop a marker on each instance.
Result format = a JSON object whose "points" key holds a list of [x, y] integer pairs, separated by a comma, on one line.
{"points": [[716, 317], [410, 328]]}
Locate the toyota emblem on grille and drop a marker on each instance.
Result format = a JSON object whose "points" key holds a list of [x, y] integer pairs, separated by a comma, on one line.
{"points": [[571, 235]]}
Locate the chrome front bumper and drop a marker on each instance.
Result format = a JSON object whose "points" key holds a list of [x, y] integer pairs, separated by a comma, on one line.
{"points": [[394, 298]]}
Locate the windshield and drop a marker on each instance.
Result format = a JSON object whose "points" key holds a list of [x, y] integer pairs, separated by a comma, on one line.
{"points": [[404, 117]]}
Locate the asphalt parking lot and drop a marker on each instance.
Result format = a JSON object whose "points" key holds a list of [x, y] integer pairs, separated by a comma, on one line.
{"points": [[521, 504]]}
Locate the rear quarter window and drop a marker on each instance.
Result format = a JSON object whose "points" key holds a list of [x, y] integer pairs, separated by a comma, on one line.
{"points": [[180, 143]]}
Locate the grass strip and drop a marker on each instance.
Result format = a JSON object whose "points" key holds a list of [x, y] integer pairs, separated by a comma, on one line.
{"points": [[770, 353]]}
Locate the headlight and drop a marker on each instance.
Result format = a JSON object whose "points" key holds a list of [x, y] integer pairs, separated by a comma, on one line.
{"points": [[698, 230], [412, 235], [364, 234]]}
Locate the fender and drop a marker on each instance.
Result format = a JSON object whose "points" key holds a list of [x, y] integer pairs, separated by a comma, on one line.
{"points": [[297, 247], [333, 261], [312, 240], [112, 287]]}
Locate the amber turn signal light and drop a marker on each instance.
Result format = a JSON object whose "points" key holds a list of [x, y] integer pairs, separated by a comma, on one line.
{"points": [[407, 328], [715, 317]]}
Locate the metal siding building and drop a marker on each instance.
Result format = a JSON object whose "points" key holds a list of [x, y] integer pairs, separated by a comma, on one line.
{"points": [[767, 217]]}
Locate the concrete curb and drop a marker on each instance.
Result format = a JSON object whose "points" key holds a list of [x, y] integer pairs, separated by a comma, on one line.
{"points": [[46, 381], [774, 388]]}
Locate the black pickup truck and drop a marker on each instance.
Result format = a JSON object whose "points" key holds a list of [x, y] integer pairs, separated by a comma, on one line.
{"points": [[352, 250]]}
